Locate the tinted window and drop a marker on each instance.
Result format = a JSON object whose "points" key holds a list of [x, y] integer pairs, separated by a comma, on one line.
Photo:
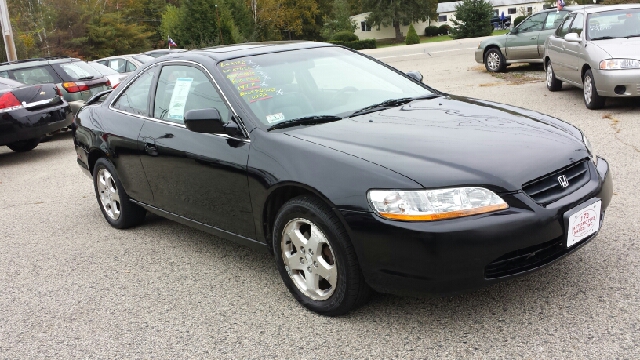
{"points": [[184, 88], [564, 28], [77, 70], [135, 98], [533, 23], [34, 75], [578, 24], [554, 19]]}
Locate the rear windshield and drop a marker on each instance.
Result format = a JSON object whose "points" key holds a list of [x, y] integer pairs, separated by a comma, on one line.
{"points": [[34, 75], [77, 70], [104, 70], [143, 58]]}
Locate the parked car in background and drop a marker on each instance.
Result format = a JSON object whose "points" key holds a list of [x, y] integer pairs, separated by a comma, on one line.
{"points": [[125, 64], [76, 80], [523, 44], [598, 50], [113, 76], [162, 52], [29, 112], [353, 174], [498, 23]]}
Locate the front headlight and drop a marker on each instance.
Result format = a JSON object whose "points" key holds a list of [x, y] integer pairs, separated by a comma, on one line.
{"points": [[618, 64], [592, 154], [429, 205]]}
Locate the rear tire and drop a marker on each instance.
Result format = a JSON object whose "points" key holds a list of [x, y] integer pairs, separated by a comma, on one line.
{"points": [[494, 61], [316, 259], [553, 84], [24, 145], [113, 200], [592, 100]]}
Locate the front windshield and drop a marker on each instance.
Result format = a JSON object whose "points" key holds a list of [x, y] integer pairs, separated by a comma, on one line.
{"points": [[328, 81], [614, 24]]}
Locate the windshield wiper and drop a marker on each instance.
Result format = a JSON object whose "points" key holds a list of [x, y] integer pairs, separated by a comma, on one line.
{"points": [[603, 38], [86, 77], [307, 120], [632, 36], [390, 103]]}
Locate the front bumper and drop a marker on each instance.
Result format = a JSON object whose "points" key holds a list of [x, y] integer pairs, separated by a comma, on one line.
{"points": [[607, 80], [480, 56], [451, 256]]}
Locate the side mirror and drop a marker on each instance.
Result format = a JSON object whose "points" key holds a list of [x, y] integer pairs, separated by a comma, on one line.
{"points": [[572, 37], [415, 74], [513, 31], [206, 121]]}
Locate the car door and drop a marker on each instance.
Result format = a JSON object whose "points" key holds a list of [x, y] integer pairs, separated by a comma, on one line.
{"points": [[524, 43], [551, 23], [573, 51], [201, 177], [121, 129], [557, 45]]}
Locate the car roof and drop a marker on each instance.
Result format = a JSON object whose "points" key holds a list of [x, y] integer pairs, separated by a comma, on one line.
{"points": [[27, 63], [226, 52], [599, 9]]}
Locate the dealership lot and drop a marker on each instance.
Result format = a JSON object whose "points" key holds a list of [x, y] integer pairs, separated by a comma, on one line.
{"points": [[72, 286]]}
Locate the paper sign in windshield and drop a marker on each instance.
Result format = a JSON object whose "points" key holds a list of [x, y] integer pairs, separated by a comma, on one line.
{"points": [[275, 118], [179, 98], [249, 79]]}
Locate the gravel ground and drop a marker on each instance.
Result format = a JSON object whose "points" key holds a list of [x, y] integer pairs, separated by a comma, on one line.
{"points": [[73, 287]]}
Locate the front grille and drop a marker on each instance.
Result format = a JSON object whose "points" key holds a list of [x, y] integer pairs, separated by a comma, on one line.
{"points": [[525, 259], [547, 189]]}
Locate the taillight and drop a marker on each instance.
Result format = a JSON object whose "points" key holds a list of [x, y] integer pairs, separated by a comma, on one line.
{"points": [[116, 85], [74, 87], [58, 90], [108, 83], [9, 102]]}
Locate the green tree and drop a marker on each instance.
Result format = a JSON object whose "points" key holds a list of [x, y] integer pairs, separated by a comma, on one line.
{"points": [[205, 23], [412, 36], [109, 34], [397, 12], [171, 23], [339, 20], [472, 19]]}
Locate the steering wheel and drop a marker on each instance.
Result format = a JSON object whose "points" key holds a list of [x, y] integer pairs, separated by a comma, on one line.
{"points": [[341, 93]]}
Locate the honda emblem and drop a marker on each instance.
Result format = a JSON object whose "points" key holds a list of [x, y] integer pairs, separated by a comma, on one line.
{"points": [[563, 181]]}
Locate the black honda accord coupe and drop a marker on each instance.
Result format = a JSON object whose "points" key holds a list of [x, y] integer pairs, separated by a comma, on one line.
{"points": [[356, 176]]}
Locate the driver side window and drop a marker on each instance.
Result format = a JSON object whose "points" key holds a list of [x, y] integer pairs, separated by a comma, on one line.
{"points": [[533, 23], [564, 28]]}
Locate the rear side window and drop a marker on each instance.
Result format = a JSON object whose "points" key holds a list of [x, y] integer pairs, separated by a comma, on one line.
{"points": [[130, 67], [34, 75], [77, 70], [135, 98]]}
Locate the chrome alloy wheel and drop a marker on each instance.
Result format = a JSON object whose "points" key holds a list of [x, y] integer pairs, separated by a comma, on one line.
{"points": [[309, 259], [549, 75], [108, 193], [588, 89], [493, 61]]}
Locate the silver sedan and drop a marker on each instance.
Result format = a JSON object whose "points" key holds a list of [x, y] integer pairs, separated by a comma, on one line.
{"points": [[596, 49]]}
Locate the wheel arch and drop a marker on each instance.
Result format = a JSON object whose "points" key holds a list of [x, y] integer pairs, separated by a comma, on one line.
{"points": [[94, 155], [279, 195], [489, 47], [584, 69]]}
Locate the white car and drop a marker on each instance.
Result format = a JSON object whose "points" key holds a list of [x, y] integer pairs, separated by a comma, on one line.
{"points": [[125, 64], [114, 77]]}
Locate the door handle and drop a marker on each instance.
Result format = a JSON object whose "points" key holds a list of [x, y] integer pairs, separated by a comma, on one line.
{"points": [[533, 38], [151, 149]]}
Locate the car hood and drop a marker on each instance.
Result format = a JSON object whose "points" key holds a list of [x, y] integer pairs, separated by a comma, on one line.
{"points": [[620, 48], [450, 141]]}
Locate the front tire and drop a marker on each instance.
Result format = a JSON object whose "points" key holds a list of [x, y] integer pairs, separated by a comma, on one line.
{"points": [[24, 145], [553, 84], [494, 61], [316, 259], [113, 200], [592, 100]]}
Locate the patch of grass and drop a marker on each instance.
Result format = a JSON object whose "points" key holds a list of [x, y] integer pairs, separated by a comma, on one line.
{"points": [[441, 38], [500, 32]]}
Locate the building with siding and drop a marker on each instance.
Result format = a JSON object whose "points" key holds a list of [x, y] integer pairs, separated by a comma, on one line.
{"points": [[446, 11]]}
